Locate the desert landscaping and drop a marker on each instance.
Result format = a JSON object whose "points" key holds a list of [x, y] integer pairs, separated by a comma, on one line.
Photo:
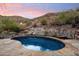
{"points": [[63, 26]]}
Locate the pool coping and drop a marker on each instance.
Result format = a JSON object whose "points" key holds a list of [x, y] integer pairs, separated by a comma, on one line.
{"points": [[68, 50]]}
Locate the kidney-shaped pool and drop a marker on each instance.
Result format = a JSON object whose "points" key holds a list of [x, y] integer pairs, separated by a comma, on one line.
{"points": [[40, 43]]}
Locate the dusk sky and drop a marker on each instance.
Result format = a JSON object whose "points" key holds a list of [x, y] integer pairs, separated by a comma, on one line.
{"points": [[31, 10]]}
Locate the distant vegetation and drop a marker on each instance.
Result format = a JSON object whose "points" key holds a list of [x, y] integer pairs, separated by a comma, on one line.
{"points": [[50, 23], [70, 17], [17, 23], [43, 22]]}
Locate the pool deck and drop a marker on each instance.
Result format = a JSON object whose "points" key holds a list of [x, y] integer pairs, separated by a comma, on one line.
{"points": [[10, 47]]}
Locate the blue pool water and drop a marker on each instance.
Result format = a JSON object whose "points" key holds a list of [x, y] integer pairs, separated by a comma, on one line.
{"points": [[40, 43]]}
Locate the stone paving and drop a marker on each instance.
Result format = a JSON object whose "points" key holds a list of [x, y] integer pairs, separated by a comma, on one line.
{"points": [[10, 47]]}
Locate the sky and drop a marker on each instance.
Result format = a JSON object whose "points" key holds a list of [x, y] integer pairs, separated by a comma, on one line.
{"points": [[32, 10]]}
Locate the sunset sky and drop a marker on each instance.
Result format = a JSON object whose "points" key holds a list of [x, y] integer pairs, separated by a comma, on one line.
{"points": [[31, 10]]}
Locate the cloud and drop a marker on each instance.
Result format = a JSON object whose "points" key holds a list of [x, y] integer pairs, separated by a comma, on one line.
{"points": [[20, 10], [10, 4], [35, 11]]}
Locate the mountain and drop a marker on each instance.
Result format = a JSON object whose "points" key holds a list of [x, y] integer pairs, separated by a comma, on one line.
{"points": [[69, 17], [18, 19], [49, 19]]}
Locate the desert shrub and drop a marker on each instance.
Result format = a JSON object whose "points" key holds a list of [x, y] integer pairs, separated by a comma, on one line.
{"points": [[67, 17], [28, 22], [9, 25], [43, 22], [1, 29]]}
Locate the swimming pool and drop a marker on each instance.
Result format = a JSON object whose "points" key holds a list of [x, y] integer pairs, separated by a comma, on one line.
{"points": [[38, 43]]}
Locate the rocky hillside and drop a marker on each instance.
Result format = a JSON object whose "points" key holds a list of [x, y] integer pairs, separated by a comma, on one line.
{"points": [[70, 17], [18, 19], [47, 19], [62, 24]]}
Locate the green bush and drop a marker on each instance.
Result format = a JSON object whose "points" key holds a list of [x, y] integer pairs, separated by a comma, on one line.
{"points": [[43, 22], [67, 17], [9, 25]]}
